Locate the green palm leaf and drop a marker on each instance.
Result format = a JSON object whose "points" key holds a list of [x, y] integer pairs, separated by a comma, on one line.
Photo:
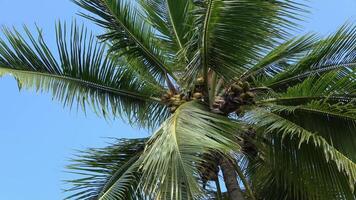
{"points": [[286, 170], [335, 122], [337, 86], [275, 124], [278, 60], [108, 173], [333, 53], [81, 73], [231, 35], [169, 165], [173, 21], [129, 35]]}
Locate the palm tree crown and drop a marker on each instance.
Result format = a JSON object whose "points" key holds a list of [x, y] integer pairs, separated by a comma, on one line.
{"points": [[223, 83]]}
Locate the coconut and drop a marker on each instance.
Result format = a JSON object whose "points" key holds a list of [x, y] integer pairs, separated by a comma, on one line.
{"points": [[244, 96], [231, 93], [250, 95], [197, 95], [200, 80], [236, 88], [246, 86]]}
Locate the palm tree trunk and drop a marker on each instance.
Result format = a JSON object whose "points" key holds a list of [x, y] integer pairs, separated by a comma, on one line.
{"points": [[230, 179]]}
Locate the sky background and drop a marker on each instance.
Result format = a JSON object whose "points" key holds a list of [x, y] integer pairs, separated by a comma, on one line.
{"points": [[38, 135]]}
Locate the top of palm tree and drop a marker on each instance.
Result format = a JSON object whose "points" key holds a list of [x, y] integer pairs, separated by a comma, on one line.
{"points": [[220, 79]]}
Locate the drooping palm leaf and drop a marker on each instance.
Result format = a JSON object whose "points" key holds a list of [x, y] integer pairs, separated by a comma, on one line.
{"points": [[271, 123], [335, 122], [81, 73], [285, 170], [108, 173], [169, 166]]}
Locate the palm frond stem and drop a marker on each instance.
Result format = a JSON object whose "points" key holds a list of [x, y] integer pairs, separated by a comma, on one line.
{"points": [[137, 41], [88, 84]]}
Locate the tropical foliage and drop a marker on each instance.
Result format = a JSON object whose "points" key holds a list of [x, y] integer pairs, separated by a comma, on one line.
{"points": [[228, 89]]}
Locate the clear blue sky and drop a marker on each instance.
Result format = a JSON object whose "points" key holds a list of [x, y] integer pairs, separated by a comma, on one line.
{"points": [[38, 135]]}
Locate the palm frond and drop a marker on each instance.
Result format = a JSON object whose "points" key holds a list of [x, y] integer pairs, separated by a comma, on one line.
{"points": [[108, 173], [337, 86], [173, 21], [336, 52], [272, 123], [170, 161], [80, 74], [286, 170], [233, 34], [336, 122], [280, 58], [129, 34], [345, 111]]}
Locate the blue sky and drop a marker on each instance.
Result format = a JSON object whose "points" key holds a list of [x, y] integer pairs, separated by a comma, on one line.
{"points": [[38, 135]]}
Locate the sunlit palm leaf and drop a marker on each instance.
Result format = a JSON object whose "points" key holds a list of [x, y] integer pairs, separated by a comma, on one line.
{"points": [[128, 33], [81, 74], [170, 160], [233, 34], [173, 22]]}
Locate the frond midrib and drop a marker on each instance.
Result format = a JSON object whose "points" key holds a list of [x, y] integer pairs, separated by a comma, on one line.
{"points": [[86, 83], [173, 25], [322, 112], [107, 190], [205, 38], [175, 122], [137, 41], [316, 71], [273, 100]]}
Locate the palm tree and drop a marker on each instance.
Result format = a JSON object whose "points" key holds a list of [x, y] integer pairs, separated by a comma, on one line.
{"points": [[227, 88]]}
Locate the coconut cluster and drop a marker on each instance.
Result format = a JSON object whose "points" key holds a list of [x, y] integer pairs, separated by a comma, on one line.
{"points": [[174, 100], [236, 95]]}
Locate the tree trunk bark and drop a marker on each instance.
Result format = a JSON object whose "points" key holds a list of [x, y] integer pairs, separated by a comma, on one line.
{"points": [[230, 179]]}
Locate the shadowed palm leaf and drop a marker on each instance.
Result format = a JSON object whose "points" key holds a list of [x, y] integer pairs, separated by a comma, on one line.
{"points": [[110, 172]]}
